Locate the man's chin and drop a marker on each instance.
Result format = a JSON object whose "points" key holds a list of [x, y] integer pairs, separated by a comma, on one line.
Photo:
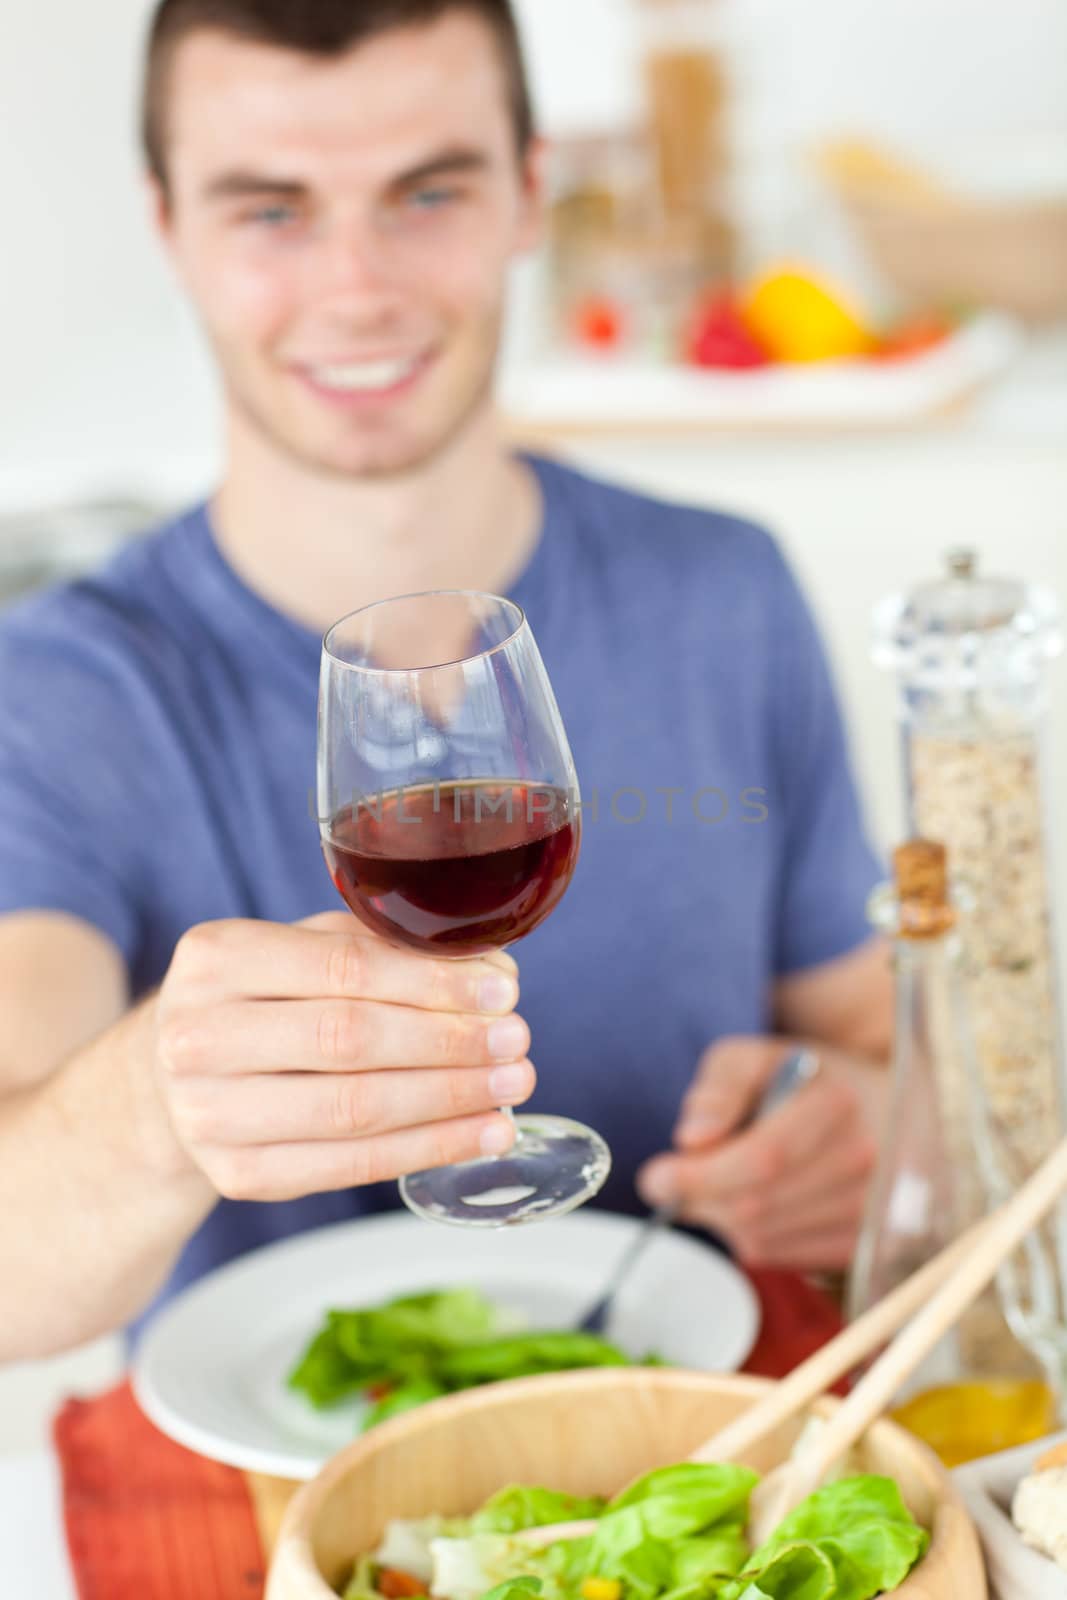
{"points": [[376, 460]]}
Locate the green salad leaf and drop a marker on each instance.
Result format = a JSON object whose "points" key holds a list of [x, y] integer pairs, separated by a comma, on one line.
{"points": [[515, 1589], [675, 1501], [646, 1527], [860, 1526], [796, 1572], [519, 1355], [678, 1533], [722, 1550], [405, 1397], [361, 1584], [419, 1346], [517, 1507]]}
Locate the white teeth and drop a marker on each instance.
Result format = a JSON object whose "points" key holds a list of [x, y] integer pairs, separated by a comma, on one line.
{"points": [[364, 376]]}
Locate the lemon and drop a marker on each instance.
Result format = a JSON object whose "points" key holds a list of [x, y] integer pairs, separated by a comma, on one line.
{"points": [[797, 318]]}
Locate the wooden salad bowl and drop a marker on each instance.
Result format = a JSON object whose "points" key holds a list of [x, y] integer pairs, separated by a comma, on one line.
{"points": [[585, 1433]]}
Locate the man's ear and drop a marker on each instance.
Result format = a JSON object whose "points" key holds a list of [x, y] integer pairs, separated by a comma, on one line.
{"points": [[161, 220], [159, 210], [531, 230]]}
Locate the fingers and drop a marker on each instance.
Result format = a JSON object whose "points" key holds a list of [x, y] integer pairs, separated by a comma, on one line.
{"points": [[772, 1234], [265, 960], [333, 1036], [294, 1059], [821, 1252], [780, 1228], [288, 1171], [296, 1108], [788, 1191], [344, 922], [798, 1133], [727, 1086]]}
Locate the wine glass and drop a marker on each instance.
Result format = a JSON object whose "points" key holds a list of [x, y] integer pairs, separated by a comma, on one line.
{"points": [[450, 822]]}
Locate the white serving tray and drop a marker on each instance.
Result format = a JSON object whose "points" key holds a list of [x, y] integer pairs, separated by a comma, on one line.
{"points": [[1016, 1571]]}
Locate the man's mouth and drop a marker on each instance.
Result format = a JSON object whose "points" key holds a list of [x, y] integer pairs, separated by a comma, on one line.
{"points": [[374, 378]]}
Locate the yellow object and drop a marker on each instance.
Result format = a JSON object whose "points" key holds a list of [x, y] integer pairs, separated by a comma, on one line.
{"points": [[601, 1589], [962, 1421], [856, 164], [796, 318]]}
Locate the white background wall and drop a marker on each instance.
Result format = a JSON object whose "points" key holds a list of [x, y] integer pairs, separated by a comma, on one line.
{"points": [[102, 381]]}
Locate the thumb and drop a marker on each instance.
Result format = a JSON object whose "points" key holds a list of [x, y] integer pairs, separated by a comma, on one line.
{"points": [[726, 1089]]}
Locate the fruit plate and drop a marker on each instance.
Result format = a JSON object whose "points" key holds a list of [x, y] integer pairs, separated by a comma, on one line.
{"points": [[571, 393]]}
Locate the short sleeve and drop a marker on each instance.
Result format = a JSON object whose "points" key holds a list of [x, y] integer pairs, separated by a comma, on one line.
{"points": [[828, 865], [70, 759]]}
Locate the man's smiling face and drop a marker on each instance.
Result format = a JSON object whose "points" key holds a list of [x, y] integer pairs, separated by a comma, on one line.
{"points": [[344, 227]]}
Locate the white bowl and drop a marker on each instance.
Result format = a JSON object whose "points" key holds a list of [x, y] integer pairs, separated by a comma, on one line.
{"points": [[1017, 1571]]}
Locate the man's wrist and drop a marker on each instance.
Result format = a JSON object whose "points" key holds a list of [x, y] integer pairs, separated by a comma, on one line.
{"points": [[152, 1134]]}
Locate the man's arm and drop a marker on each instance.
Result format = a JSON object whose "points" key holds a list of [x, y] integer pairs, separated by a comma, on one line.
{"points": [[847, 1003], [274, 1062], [98, 1197]]}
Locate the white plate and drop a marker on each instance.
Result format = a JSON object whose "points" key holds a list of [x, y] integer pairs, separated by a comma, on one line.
{"points": [[211, 1369], [988, 1486]]}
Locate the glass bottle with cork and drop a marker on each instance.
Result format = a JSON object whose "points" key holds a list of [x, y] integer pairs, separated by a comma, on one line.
{"points": [[938, 1170]]}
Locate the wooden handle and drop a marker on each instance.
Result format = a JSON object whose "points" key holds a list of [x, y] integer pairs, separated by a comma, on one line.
{"points": [[853, 1345], [1003, 1232]]}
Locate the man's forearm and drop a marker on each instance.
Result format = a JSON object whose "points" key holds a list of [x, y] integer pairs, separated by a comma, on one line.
{"points": [[97, 1195]]}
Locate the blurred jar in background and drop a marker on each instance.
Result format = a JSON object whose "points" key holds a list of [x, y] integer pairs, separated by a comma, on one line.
{"points": [[640, 224], [687, 98]]}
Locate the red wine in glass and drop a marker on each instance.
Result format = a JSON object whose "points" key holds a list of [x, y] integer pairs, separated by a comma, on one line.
{"points": [[455, 868], [450, 821]]}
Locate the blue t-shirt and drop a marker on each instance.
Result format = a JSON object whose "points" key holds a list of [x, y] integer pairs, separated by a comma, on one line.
{"points": [[157, 769]]}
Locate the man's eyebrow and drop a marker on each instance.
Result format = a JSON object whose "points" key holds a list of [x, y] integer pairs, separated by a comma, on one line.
{"points": [[239, 185], [448, 163], [244, 185]]}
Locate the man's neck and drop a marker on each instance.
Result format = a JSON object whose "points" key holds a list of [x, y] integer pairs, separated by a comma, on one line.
{"points": [[317, 547]]}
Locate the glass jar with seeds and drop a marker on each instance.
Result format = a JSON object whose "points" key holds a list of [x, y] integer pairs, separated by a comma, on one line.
{"points": [[972, 655]]}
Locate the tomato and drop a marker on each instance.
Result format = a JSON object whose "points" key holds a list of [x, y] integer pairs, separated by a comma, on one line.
{"points": [[599, 323], [397, 1585]]}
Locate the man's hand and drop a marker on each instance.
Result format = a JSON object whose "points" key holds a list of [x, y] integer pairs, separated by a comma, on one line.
{"points": [[790, 1190], [293, 1060]]}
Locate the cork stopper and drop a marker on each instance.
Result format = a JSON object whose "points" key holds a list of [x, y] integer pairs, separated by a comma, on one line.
{"points": [[920, 868]]}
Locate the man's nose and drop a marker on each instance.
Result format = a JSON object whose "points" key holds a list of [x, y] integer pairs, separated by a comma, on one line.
{"points": [[356, 266]]}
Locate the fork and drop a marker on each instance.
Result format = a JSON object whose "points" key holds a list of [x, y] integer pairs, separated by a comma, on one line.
{"points": [[798, 1068]]}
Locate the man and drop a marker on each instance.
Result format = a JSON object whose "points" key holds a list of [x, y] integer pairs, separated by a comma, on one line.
{"points": [[197, 1056]]}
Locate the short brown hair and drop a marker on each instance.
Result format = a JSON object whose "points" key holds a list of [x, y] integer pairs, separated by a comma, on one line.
{"points": [[320, 28]]}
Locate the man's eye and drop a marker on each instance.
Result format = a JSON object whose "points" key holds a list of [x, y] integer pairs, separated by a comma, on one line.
{"points": [[272, 216], [431, 199]]}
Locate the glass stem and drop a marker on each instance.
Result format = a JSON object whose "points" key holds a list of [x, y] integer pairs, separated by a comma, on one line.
{"points": [[506, 1111]]}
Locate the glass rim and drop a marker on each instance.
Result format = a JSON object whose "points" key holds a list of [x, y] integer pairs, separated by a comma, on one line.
{"points": [[424, 594]]}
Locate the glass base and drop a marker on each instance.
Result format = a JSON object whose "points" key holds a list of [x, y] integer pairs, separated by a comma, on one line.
{"points": [[554, 1166]]}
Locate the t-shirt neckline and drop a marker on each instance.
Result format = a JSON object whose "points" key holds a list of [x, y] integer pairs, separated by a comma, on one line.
{"points": [[220, 582]]}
